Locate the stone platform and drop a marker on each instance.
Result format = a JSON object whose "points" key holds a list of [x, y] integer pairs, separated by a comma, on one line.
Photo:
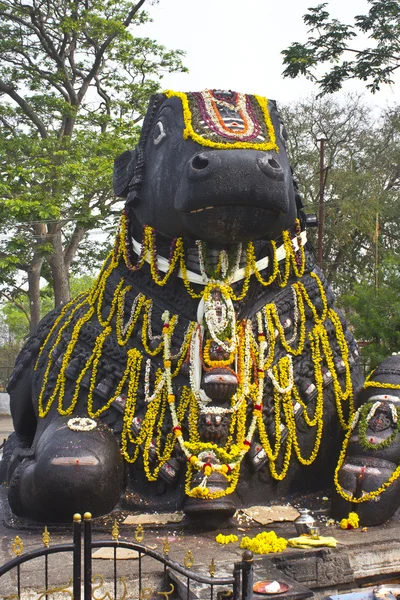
{"points": [[360, 559]]}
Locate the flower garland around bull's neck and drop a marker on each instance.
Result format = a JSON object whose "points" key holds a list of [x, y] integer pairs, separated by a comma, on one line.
{"points": [[227, 272], [258, 349]]}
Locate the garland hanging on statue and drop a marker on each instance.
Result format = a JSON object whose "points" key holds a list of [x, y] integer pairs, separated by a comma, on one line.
{"points": [[250, 346]]}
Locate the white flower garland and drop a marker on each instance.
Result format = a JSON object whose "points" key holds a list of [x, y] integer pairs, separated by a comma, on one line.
{"points": [[132, 313], [275, 383], [157, 389], [237, 274], [356, 418], [373, 410], [240, 107], [296, 316], [219, 314], [81, 424], [150, 334]]}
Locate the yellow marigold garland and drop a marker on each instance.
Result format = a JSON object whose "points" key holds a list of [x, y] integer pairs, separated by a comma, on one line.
{"points": [[75, 304], [253, 264], [150, 433], [60, 383], [124, 336], [215, 363], [92, 361], [366, 495], [178, 258], [272, 313], [43, 411], [378, 384]]}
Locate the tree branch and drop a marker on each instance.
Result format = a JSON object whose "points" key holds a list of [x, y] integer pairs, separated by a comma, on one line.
{"points": [[51, 51], [8, 126], [17, 304], [73, 244], [18, 20], [27, 109], [99, 55], [35, 70]]}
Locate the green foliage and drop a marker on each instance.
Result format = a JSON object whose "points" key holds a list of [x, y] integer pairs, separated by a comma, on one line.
{"points": [[375, 314], [330, 41], [362, 182], [14, 313], [14, 323], [75, 79]]}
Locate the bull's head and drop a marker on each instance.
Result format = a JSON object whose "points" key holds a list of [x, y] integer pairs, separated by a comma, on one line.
{"points": [[210, 166]]}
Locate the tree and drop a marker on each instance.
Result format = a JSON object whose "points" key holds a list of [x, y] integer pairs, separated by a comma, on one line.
{"points": [[362, 183], [375, 313], [333, 42], [15, 322], [76, 81]]}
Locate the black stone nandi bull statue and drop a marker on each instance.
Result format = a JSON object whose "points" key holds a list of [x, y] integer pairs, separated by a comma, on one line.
{"points": [[207, 368]]}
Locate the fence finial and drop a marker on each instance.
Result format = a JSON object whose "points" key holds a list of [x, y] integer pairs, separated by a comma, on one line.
{"points": [[115, 531], [166, 546], [17, 546], [139, 533], [46, 537], [211, 568], [189, 559]]}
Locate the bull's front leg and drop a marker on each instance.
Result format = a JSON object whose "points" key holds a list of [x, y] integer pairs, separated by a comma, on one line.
{"points": [[367, 477], [74, 465]]}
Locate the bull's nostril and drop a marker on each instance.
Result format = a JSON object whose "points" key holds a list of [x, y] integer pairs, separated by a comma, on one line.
{"points": [[200, 162], [273, 163]]}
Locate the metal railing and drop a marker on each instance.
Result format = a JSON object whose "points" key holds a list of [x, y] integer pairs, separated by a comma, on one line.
{"points": [[238, 586]]}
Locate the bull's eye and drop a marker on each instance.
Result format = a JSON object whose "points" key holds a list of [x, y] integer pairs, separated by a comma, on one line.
{"points": [[159, 132]]}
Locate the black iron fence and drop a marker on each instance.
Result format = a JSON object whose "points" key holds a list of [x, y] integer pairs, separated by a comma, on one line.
{"points": [[238, 586]]}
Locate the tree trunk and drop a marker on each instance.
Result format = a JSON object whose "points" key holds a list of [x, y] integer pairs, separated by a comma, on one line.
{"points": [[34, 290], [59, 272]]}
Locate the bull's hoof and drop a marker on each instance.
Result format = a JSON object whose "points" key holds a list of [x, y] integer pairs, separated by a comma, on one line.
{"points": [[14, 443], [358, 478], [71, 471]]}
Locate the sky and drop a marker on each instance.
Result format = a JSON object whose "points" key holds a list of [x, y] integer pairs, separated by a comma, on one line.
{"points": [[237, 44]]}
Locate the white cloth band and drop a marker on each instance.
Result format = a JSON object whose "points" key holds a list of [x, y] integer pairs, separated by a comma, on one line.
{"points": [[163, 263]]}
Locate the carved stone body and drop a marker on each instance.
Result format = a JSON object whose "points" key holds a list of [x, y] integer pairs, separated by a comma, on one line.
{"points": [[209, 352]]}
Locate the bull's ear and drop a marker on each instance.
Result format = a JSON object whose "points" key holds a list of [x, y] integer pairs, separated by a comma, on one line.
{"points": [[124, 168], [297, 196], [272, 105]]}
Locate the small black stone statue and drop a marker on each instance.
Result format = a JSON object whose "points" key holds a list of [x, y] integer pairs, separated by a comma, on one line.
{"points": [[207, 369]]}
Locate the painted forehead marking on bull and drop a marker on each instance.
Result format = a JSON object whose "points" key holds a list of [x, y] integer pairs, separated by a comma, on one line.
{"points": [[220, 119]]}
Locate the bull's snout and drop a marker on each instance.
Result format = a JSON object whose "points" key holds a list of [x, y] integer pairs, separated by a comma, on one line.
{"points": [[204, 165], [200, 162], [235, 195], [208, 164], [270, 167]]}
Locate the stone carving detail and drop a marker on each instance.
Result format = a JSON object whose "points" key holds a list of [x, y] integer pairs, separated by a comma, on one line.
{"points": [[324, 568]]}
